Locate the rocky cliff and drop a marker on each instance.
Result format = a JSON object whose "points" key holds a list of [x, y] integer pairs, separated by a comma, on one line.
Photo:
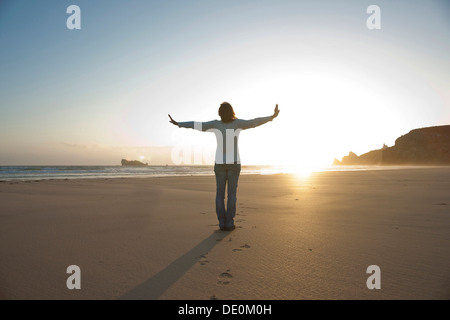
{"points": [[425, 146]]}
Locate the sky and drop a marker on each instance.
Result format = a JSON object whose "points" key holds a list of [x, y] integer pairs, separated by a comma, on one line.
{"points": [[95, 95]]}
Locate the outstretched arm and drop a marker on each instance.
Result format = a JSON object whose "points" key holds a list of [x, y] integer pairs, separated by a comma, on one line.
{"points": [[200, 126], [189, 124], [247, 124]]}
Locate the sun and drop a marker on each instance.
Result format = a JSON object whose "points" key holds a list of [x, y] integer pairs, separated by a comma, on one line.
{"points": [[326, 110]]}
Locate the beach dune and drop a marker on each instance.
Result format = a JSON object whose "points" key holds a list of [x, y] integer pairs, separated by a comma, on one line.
{"points": [[297, 237]]}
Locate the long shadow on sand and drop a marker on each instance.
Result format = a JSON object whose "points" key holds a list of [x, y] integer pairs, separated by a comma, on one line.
{"points": [[154, 287]]}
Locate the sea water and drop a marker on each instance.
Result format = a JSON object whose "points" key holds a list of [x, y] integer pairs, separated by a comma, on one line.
{"points": [[82, 172], [8, 173]]}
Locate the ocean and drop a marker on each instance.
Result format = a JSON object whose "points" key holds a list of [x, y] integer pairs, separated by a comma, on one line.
{"points": [[8, 173]]}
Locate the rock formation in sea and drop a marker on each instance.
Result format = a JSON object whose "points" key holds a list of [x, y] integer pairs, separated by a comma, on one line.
{"points": [[132, 163]]}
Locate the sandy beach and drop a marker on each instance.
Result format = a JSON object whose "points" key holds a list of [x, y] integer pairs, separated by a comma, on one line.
{"points": [[297, 237]]}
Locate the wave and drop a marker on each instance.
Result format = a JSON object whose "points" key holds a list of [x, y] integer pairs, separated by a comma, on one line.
{"points": [[73, 172]]}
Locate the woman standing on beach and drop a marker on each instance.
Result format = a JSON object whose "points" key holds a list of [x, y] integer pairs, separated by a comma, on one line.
{"points": [[227, 165]]}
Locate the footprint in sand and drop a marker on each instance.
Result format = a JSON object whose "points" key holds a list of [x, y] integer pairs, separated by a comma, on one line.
{"points": [[245, 246], [225, 277], [202, 259]]}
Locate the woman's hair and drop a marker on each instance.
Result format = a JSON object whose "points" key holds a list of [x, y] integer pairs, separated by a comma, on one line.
{"points": [[226, 112]]}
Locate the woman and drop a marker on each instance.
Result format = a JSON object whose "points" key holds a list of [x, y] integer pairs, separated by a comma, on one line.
{"points": [[227, 165]]}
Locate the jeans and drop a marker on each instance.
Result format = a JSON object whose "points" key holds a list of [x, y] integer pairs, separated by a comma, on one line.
{"points": [[226, 173]]}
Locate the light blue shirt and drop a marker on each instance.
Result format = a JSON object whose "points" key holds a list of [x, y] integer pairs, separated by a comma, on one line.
{"points": [[227, 135]]}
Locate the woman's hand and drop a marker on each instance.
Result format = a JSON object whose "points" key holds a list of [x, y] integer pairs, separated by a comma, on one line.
{"points": [[172, 121], [275, 112]]}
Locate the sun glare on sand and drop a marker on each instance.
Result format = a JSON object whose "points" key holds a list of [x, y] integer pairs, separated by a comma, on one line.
{"points": [[304, 172]]}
